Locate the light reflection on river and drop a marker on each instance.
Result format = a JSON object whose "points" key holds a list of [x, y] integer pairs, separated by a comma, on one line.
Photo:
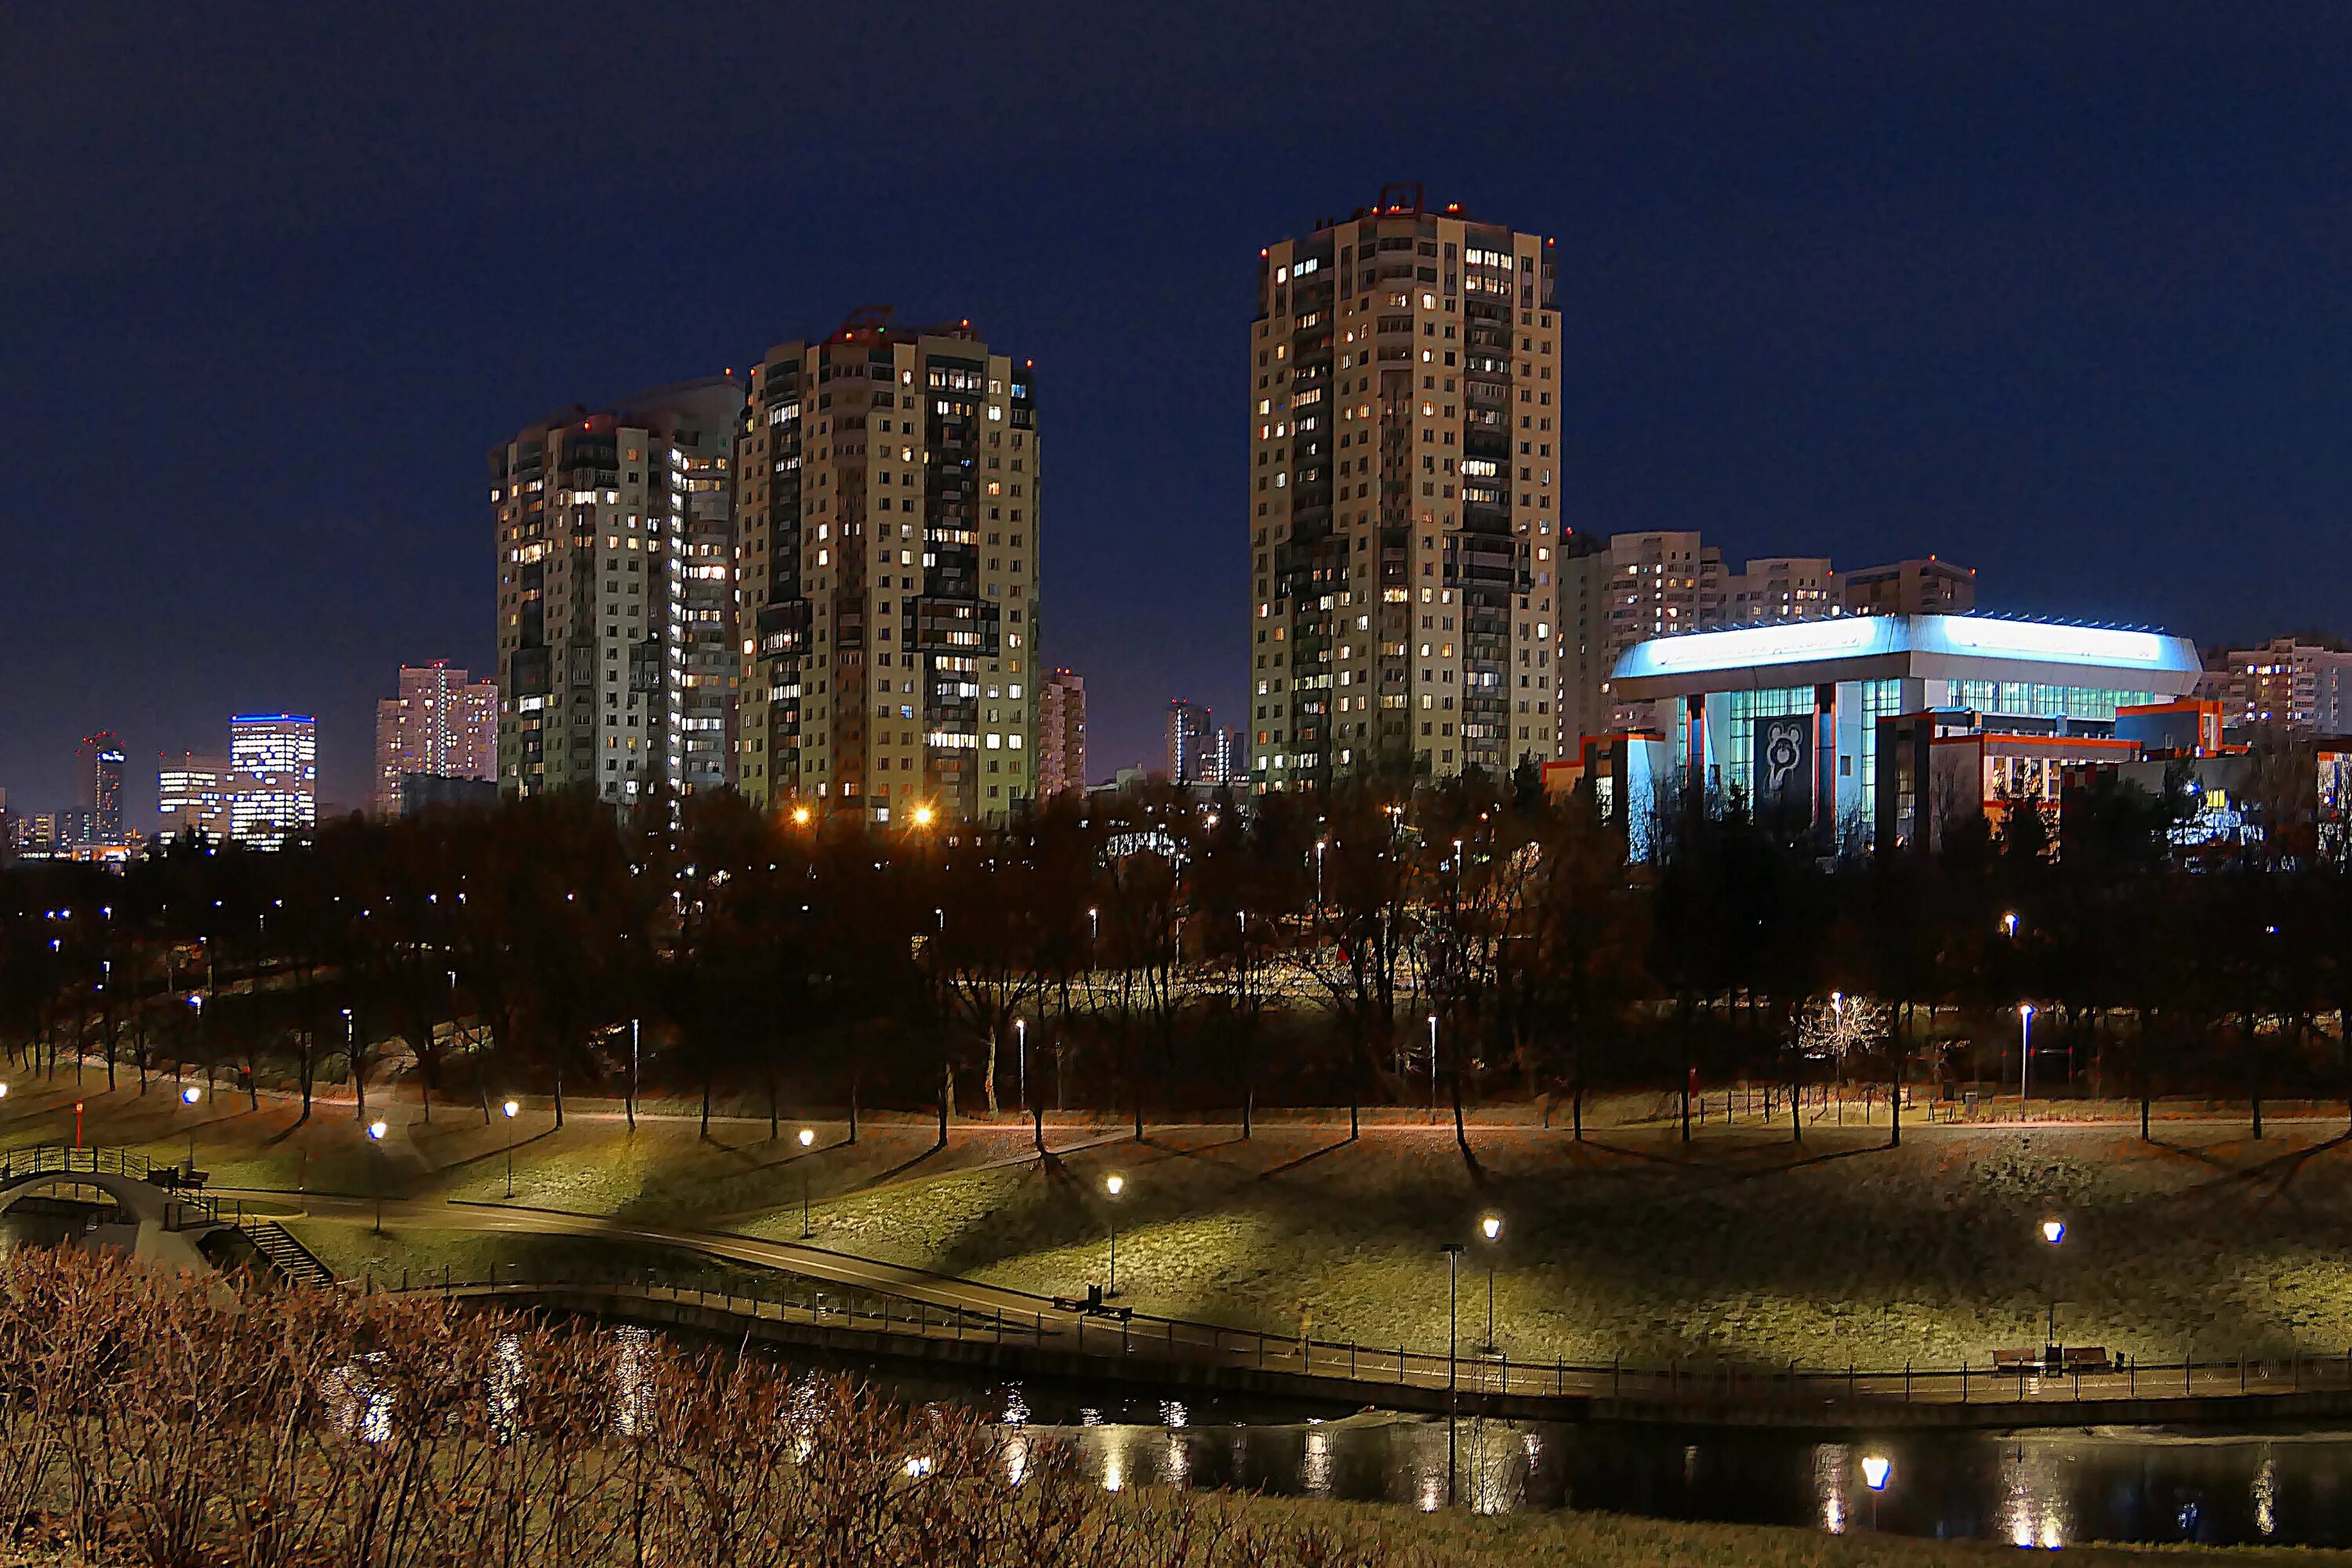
{"points": [[2036, 1489], [2030, 1489]]}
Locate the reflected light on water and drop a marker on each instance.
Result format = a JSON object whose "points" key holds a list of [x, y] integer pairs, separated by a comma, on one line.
{"points": [[1315, 1464], [1016, 1457], [1830, 1462], [2033, 1505], [2265, 1489], [629, 1347], [1176, 1470], [506, 1383]]}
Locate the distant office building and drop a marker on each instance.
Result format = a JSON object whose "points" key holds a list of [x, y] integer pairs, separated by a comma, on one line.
{"points": [[2286, 681], [1782, 588], [888, 533], [1061, 734], [99, 764], [615, 602], [1190, 742], [1916, 587], [1404, 504], [442, 725], [274, 772], [1228, 764], [193, 794]]}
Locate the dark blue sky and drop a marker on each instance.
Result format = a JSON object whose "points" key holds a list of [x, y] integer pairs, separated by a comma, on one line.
{"points": [[2060, 291]]}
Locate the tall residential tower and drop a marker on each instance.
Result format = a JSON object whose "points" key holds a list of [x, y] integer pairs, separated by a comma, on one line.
{"points": [[441, 726], [616, 610], [887, 563], [1404, 509]]}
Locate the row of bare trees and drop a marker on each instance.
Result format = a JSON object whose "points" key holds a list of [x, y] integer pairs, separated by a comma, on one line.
{"points": [[1158, 955], [178, 1421]]}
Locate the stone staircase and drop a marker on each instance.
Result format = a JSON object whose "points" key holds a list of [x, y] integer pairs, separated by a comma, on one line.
{"points": [[293, 1260]]}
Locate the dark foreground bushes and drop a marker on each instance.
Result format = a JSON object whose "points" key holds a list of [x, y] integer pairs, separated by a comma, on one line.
{"points": [[176, 1422]]}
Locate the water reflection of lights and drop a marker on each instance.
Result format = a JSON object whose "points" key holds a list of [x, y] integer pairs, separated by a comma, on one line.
{"points": [[1016, 1457], [506, 1383], [1315, 1464], [1176, 1470], [358, 1407], [1016, 1408], [1830, 1462], [629, 1348], [2033, 1507], [1173, 1413], [1090, 1416], [2266, 1497], [1117, 1456], [1493, 1477]]}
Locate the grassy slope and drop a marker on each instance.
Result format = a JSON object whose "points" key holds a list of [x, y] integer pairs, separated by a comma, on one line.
{"points": [[1749, 1247]]}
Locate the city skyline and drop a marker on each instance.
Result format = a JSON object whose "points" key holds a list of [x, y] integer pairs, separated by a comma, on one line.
{"points": [[1867, 298]]}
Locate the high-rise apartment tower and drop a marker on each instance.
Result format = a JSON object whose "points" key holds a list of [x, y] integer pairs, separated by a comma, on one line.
{"points": [[617, 609], [1061, 733], [441, 726], [1404, 504], [888, 563], [1191, 740]]}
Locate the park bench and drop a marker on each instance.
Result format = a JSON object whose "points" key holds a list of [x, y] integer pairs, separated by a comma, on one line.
{"points": [[2016, 1361], [1093, 1305], [172, 1179], [2089, 1358]]}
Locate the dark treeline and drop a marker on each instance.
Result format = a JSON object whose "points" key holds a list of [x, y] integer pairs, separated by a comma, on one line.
{"points": [[1433, 948]]}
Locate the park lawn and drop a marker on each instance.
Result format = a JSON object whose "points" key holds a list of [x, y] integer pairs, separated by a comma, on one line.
{"points": [[1753, 1249], [1744, 1246]]}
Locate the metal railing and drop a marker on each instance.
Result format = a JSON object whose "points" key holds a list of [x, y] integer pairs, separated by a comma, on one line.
{"points": [[66, 1159], [796, 1300], [852, 1309]]}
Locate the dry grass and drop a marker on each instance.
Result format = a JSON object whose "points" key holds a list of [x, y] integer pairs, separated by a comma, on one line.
{"points": [[1742, 1246]]}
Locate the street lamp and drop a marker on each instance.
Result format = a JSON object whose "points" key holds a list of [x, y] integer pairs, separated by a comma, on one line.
{"points": [[2009, 925], [376, 1130], [807, 1137], [188, 1097], [922, 817], [510, 1108], [1876, 1468], [1453, 1359], [1320, 844], [2024, 1052], [800, 815], [1020, 1033], [1491, 1227], [1114, 1184], [2053, 1231], [1432, 1067]]}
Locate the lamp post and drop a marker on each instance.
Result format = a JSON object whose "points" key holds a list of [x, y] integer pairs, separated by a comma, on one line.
{"points": [[510, 1108], [633, 1074], [1875, 1469], [2024, 1053], [376, 1130], [1320, 844], [1491, 1227], [2053, 1231], [1114, 1184], [1020, 1033], [2009, 925], [807, 1137], [1453, 1360], [1433, 1068], [188, 1097]]}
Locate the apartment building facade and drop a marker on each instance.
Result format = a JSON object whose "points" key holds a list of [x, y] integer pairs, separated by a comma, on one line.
{"points": [[615, 599], [1404, 513], [2286, 681], [1061, 733], [443, 725], [886, 565]]}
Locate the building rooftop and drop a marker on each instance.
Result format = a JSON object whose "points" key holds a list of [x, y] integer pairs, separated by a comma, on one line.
{"points": [[1938, 648]]}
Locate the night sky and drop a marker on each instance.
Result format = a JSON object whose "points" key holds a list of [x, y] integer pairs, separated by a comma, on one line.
{"points": [[2060, 291]]}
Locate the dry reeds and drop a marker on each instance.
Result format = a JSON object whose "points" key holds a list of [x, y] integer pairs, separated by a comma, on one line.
{"points": [[176, 1422]]}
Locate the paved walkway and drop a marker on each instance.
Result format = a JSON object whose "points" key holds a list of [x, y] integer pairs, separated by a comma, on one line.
{"points": [[1367, 1367]]}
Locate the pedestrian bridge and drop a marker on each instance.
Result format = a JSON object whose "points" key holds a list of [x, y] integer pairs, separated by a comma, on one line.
{"points": [[120, 1173]]}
